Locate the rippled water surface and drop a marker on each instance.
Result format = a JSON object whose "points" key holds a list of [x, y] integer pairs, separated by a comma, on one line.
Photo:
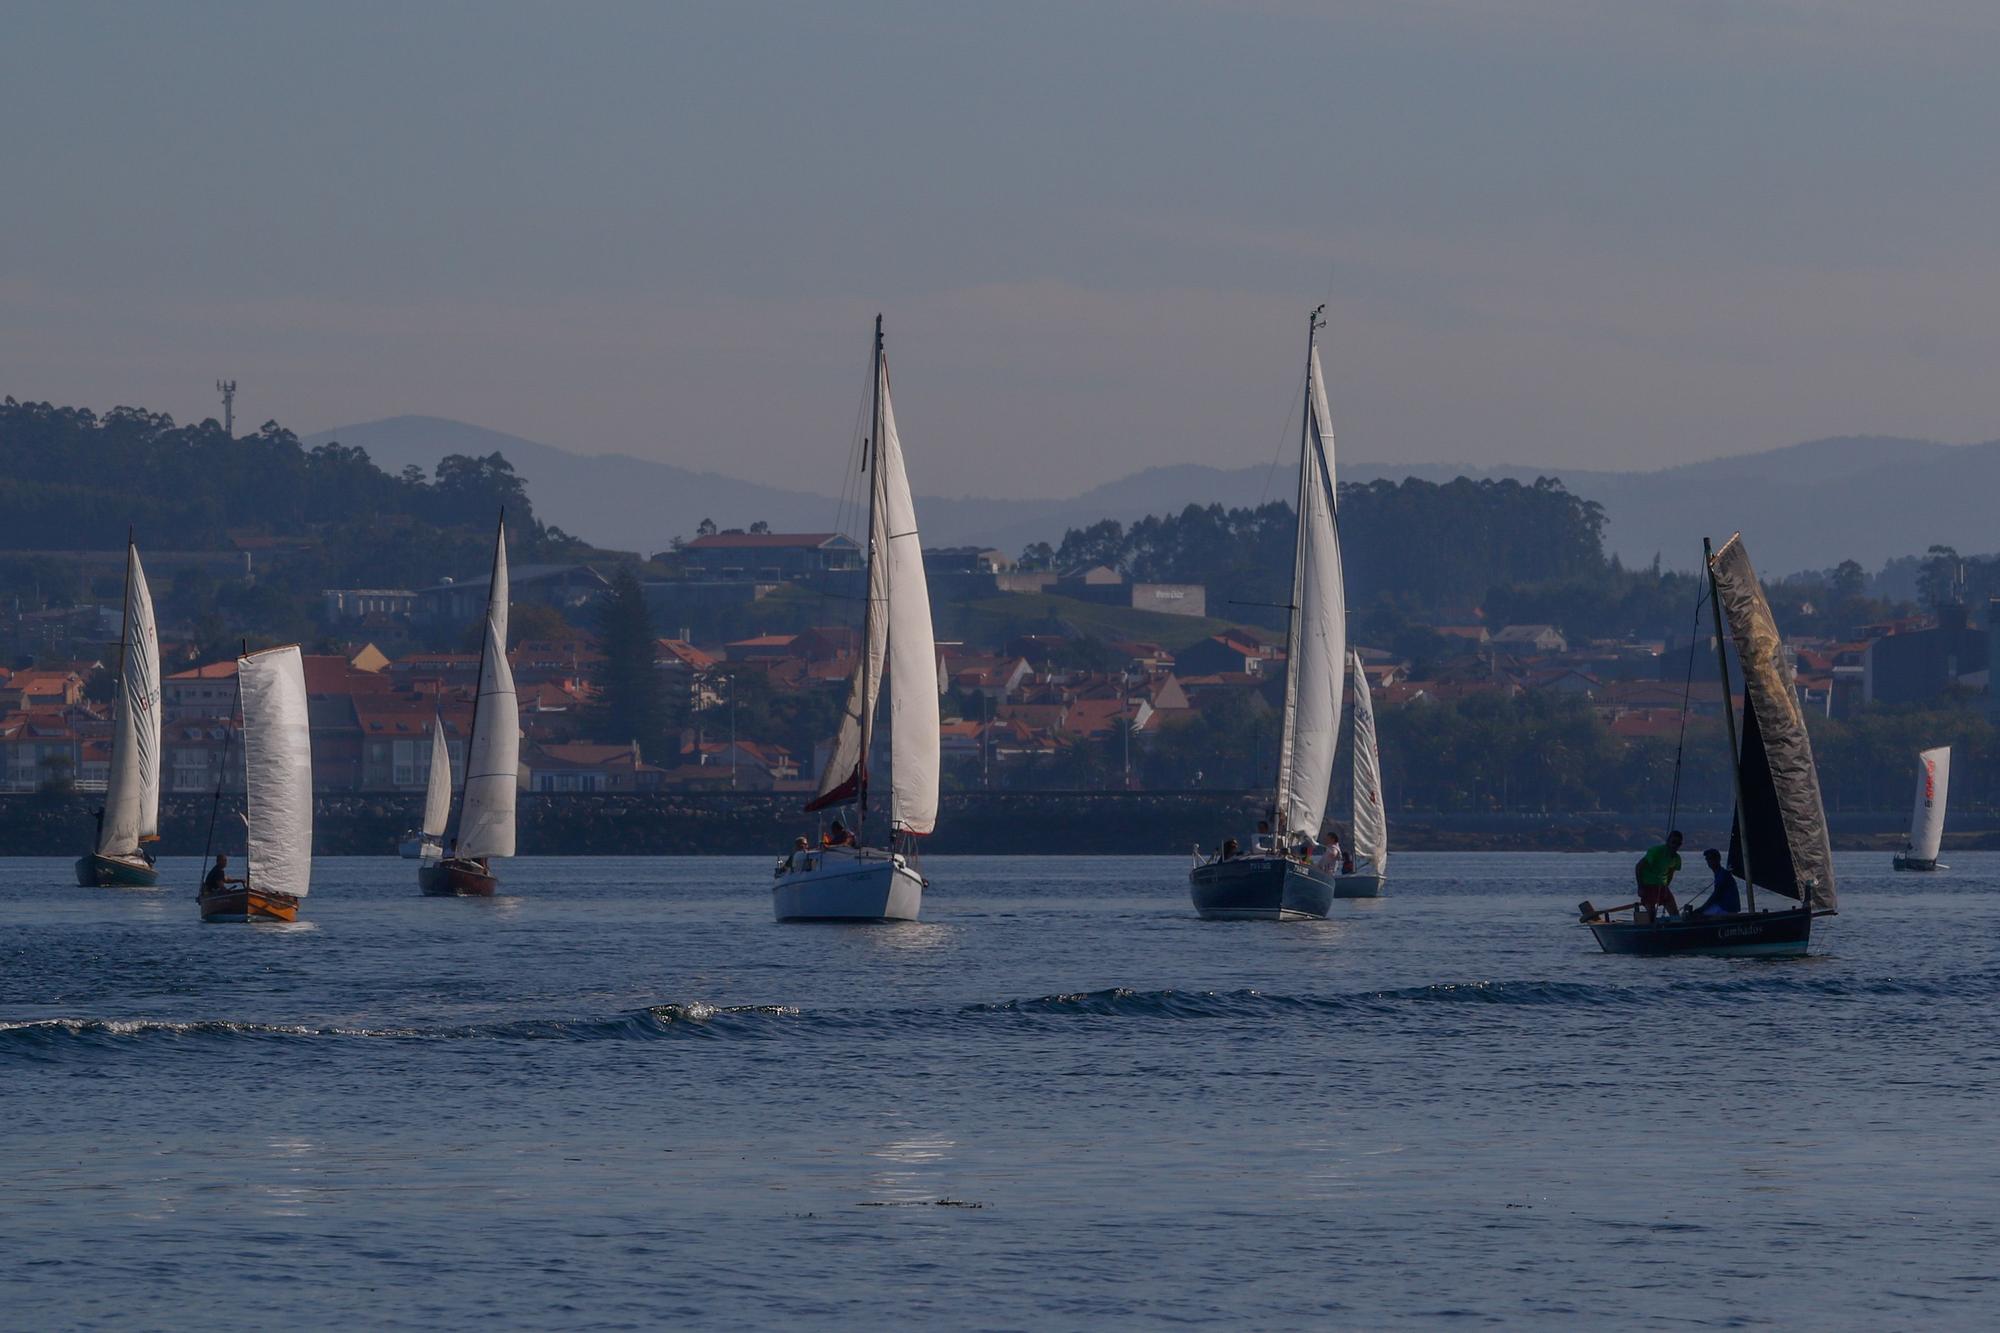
{"points": [[621, 1096]]}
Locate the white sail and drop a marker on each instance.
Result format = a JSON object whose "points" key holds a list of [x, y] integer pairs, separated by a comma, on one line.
{"points": [[437, 789], [1927, 819], [132, 788], [1316, 650], [493, 759], [1370, 834], [277, 770], [913, 686]]}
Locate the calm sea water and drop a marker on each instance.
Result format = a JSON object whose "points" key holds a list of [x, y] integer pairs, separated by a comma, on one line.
{"points": [[624, 1097]]}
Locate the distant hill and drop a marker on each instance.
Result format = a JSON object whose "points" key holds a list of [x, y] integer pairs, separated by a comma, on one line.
{"points": [[1803, 506]]}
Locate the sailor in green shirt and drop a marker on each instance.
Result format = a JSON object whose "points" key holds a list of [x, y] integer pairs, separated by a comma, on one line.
{"points": [[1656, 871]]}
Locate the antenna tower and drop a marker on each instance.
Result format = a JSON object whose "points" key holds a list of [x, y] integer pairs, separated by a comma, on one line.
{"points": [[227, 388]]}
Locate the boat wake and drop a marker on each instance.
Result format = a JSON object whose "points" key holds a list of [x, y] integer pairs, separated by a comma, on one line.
{"points": [[51, 1037]]}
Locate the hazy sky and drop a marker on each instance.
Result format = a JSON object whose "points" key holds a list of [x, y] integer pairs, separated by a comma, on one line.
{"points": [[1574, 232]]}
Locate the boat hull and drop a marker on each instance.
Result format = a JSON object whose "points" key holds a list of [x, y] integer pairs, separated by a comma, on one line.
{"points": [[1786, 934], [1917, 863], [242, 904], [456, 879], [1260, 888], [838, 884], [1358, 886], [114, 872]]}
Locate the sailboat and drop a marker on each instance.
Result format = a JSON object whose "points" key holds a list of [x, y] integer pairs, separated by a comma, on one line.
{"points": [[277, 792], [1273, 879], [429, 837], [849, 880], [1779, 839], [1368, 835], [484, 824], [130, 818], [1927, 819]]}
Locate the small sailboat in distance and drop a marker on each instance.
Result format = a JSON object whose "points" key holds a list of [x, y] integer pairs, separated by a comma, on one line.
{"points": [[1274, 879], [437, 795], [1927, 819], [1779, 840], [130, 818], [484, 825], [277, 794], [843, 879], [1366, 859]]}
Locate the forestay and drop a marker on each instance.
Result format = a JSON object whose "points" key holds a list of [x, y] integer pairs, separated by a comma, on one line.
{"points": [[132, 787], [1371, 824], [913, 689], [1316, 648], [437, 788], [1927, 819], [493, 758], [277, 770], [1782, 814]]}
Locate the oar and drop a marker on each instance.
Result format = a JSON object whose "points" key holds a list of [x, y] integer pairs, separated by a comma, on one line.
{"points": [[1585, 912]]}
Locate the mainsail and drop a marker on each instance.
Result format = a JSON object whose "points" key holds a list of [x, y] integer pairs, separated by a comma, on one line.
{"points": [[1370, 844], [1316, 647], [898, 644], [913, 693], [1927, 819], [437, 788], [493, 751], [132, 788], [1782, 815], [277, 769]]}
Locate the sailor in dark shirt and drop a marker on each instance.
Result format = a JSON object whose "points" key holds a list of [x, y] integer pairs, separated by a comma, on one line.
{"points": [[218, 875], [1722, 897]]}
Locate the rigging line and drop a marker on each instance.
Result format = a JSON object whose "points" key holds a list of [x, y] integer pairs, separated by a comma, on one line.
{"points": [[1687, 698]]}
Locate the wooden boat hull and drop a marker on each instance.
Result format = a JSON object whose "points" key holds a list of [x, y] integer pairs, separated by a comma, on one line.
{"points": [[115, 872], [456, 879], [1260, 888], [1358, 886], [847, 884], [1786, 934], [1915, 863], [240, 903]]}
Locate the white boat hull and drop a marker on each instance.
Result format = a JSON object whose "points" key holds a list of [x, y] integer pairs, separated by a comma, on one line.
{"points": [[846, 884], [1366, 885]]}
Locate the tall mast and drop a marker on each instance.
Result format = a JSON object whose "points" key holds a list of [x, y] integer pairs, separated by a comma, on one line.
{"points": [[1290, 717], [492, 582], [222, 773], [871, 462], [124, 634], [1729, 720]]}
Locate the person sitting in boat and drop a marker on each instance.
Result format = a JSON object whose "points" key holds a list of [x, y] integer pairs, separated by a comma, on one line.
{"points": [[218, 875], [1262, 843], [1656, 871], [1722, 896], [838, 835], [1229, 849]]}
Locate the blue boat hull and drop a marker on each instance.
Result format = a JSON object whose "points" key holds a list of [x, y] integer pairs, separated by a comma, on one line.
{"points": [[1260, 888], [1786, 934]]}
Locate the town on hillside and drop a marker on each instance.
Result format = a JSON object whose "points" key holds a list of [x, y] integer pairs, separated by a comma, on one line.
{"points": [[734, 676]]}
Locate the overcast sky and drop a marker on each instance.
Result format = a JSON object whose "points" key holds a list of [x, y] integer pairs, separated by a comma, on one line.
{"points": [[1549, 233]]}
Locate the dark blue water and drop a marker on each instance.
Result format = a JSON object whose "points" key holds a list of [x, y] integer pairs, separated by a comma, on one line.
{"points": [[624, 1097]]}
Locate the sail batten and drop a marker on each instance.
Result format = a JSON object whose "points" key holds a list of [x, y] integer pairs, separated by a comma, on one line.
{"points": [[132, 787], [1317, 642], [277, 770], [1370, 844], [1782, 813], [493, 758], [1927, 817]]}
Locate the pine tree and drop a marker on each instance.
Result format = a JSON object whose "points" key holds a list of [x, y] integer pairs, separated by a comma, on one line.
{"points": [[635, 705]]}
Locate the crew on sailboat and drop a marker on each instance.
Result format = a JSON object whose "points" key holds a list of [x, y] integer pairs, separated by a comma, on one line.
{"points": [[1723, 899], [1656, 871], [218, 875]]}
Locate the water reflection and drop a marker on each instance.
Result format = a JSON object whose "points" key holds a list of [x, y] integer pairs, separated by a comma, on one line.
{"points": [[912, 1173]]}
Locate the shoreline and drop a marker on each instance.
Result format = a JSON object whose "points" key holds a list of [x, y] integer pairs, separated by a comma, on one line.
{"points": [[969, 823]]}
